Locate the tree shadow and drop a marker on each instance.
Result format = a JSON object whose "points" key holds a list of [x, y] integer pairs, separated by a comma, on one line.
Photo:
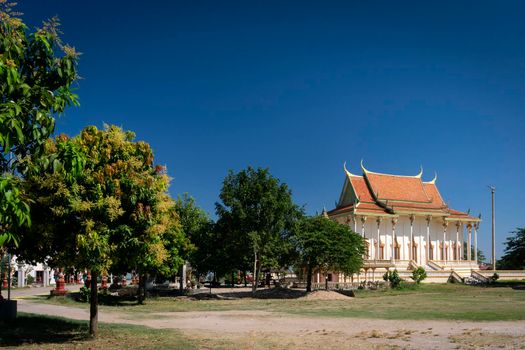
{"points": [[36, 329]]}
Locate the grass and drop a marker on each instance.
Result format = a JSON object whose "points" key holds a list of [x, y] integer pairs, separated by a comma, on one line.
{"points": [[429, 301], [30, 331]]}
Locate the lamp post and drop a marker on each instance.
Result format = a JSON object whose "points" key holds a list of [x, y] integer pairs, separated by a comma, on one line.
{"points": [[493, 190]]}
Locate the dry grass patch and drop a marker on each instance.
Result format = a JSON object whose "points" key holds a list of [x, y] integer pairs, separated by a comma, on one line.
{"points": [[473, 339]]}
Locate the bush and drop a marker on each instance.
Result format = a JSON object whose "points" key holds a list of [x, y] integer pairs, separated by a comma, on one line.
{"points": [[30, 279], [393, 278], [494, 277], [84, 295], [419, 274]]}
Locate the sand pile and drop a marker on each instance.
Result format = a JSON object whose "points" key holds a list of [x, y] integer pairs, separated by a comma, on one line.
{"points": [[325, 295]]}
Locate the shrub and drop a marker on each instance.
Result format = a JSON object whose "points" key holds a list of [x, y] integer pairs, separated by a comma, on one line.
{"points": [[84, 295], [393, 278], [419, 274], [494, 277], [30, 279]]}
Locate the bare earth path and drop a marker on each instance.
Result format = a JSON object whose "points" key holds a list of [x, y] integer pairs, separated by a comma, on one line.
{"points": [[256, 328]]}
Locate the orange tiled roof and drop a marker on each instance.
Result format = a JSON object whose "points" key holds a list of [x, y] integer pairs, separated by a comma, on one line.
{"points": [[390, 194]]}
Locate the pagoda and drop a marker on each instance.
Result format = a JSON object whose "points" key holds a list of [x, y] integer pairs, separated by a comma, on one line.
{"points": [[406, 223]]}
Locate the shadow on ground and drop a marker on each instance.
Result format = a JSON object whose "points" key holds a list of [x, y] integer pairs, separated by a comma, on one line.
{"points": [[34, 329]]}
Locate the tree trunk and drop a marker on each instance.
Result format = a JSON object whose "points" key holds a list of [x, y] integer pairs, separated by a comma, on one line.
{"points": [[93, 307], [309, 274], [181, 277], [254, 283], [141, 290], [326, 281]]}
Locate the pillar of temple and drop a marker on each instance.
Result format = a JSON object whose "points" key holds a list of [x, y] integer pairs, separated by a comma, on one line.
{"points": [[394, 222], [410, 245], [378, 220], [21, 276], [428, 219], [469, 242]]}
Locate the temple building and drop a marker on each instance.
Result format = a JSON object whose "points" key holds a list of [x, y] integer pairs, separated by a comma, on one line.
{"points": [[406, 223]]}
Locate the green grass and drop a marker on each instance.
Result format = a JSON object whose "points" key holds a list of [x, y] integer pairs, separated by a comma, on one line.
{"points": [[30, 331], [429, 301]]}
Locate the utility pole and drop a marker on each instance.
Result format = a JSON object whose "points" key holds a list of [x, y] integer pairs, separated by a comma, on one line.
{"points": [[493, 190]]}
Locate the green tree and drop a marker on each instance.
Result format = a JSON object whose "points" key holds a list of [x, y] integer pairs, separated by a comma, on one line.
{"points": [[193, 221], [419, 274], [258, 212], [514, 257], [327, 246], [113, 210], [36, 73]]}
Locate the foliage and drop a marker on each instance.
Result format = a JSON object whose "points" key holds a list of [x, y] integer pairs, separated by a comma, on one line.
{"points": [[494, 277], [419, 274], [84, 294], [255, 218], [14, 210], [30, 279], [36, 73], [100, 204], [393, 278], [514, 257], [325, 245]]}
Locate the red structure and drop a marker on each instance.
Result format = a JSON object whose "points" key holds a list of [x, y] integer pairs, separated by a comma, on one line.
{"points": [[104, 283], [60, 288]]}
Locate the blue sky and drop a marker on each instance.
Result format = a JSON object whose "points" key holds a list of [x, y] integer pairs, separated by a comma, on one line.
{"points": [[300, 87]]}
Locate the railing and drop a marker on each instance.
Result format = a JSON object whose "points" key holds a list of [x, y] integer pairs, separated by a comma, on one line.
{"points": [[434, 265], [479, 276], [456, 276]]}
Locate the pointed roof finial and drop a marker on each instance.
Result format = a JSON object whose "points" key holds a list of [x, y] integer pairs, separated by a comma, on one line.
{"points": [[433, 181], [324, 213], [346, 170], [420, 172], [363, 166]]}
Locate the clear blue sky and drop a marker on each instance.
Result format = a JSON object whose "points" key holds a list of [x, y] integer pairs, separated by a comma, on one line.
{"points": [[300, 87]]}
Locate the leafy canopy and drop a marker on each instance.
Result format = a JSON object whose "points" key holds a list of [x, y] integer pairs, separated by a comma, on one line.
{"points": [[325, 245], [514, 257]]}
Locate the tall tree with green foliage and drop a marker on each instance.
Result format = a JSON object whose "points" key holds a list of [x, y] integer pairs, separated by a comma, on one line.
{"points": [[113, 210], [327, 246], [37, 71], [193, 221], [258, 212], [514, 257]]}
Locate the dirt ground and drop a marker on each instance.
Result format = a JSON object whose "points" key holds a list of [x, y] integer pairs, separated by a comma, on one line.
{"points": [[268, 330]]}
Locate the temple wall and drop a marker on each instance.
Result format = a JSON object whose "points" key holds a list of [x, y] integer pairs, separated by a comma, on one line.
{"points": [[402, 233]]}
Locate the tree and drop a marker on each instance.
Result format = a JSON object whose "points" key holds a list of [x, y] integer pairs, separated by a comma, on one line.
{"points": [[325, 245], [257, 212], [514, 257], [113, 210], [36, 73], [419, 274], [193, 221]]}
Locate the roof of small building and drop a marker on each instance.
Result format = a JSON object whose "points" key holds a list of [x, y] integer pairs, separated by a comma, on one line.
{"points": [[384, 194]]}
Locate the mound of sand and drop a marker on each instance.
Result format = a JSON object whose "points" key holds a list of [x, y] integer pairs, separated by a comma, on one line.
{"points": [[325, 295]]}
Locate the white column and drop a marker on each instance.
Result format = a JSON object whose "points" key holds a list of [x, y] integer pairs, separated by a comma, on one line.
{"points": [[411, 249], [394, 222], [476, 226], [21, 277], [444, 251], [469, 242], [46, 277], [354, 217], [428, 218], [378, 220], [184, 269], [458, 251]]}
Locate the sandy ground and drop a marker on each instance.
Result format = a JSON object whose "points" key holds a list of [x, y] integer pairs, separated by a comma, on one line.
{"points": [[265, 330]]}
